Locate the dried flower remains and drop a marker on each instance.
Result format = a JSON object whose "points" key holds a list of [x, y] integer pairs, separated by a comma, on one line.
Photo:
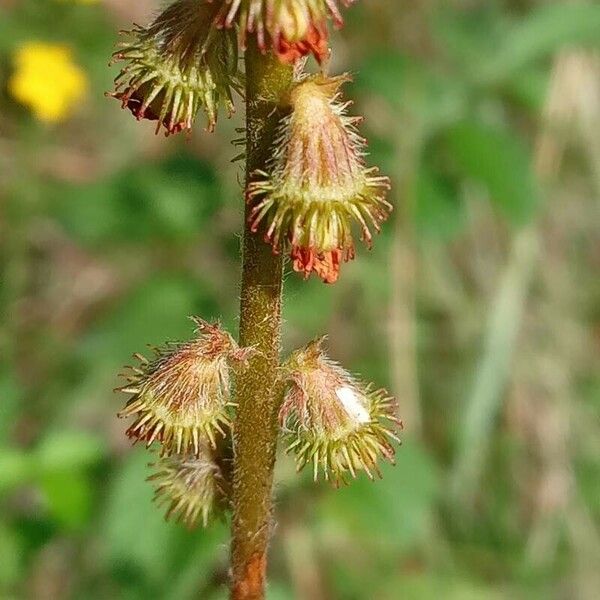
{"points": [[291, 28], [191, 487]]}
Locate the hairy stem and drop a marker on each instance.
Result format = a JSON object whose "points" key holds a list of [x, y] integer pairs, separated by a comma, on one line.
{"points": [[258, 393]]}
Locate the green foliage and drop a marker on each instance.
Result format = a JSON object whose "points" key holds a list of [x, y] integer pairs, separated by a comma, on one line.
{"points": [[391, 513], [11, 555], [144, 551], [15, 468], [155, 311], [488, 155], [548, 29], [137, 537], [438, 213], [170, 200]]}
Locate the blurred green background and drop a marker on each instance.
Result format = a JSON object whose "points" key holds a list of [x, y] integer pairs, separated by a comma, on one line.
{"points": [[479, 307]]}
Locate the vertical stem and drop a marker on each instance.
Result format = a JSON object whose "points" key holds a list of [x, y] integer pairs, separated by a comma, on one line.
{"points": [[258, 393], [403, 268]]}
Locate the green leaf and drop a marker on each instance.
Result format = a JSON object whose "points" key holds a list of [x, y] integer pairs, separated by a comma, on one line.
{"points": [[439, 212], [149, 556], [414, 92], [299, 308], [393, 510], [11, 557], [69, 497], [389, 517], [16, 468], [427, 585], [466, 35], [171, 200], [280, 591], [9, 405], [529, 88], [138, 540], [58, 463], [545, 31], [198, 554], [153, 313], [69, 451], [498, 160]]}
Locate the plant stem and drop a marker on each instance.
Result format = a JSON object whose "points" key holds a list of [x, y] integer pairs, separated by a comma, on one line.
{"points": [[258, 392]]}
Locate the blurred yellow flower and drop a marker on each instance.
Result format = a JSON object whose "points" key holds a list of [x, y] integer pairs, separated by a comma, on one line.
{"points": [[47, 80]]}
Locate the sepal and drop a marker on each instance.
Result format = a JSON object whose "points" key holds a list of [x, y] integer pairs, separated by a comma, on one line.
{"points": [[291, 28], [192, 488], [181, 397], [316, 187], [332, 420], [179, 64]]}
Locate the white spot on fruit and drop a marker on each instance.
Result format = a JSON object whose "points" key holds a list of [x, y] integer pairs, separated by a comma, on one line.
{"points": [[352, 404]]}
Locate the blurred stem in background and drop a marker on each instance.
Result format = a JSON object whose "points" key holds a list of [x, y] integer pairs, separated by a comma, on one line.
{"points": [[409, 136], [258, 393], [505, 320], [302, 558], [553, 408], [550, 410], [403, 267], [494, 369]]}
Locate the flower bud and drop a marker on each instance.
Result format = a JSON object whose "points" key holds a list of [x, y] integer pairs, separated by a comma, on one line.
{"points": [[177, 65], [292, 28], [334, 421], [182, 396], [191, 487], [317, 185]]}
